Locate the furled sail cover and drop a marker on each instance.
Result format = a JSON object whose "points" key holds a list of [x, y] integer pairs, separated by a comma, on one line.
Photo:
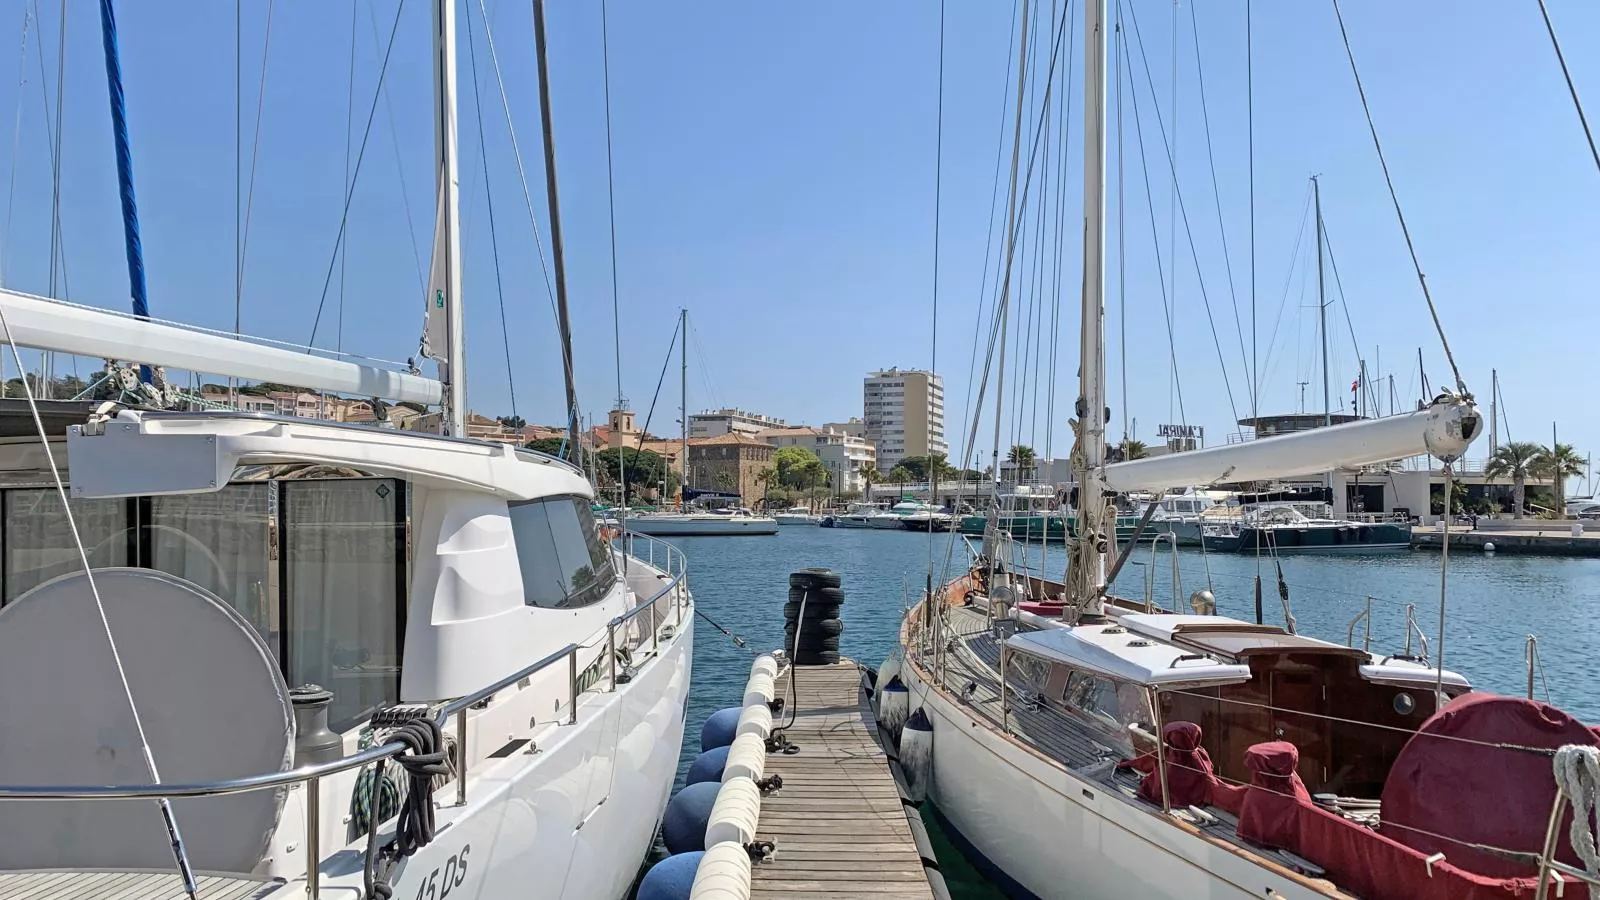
{"points": [[212, 701], [1459, 776]]}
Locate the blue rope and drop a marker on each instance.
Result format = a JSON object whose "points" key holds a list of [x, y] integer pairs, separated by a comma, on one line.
{"points": [[119, 130]]}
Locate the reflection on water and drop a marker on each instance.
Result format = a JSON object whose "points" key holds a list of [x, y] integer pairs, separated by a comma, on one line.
{"points": [[1494, 603]]}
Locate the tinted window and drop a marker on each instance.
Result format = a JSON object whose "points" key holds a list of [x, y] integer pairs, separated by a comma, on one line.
{"points": [[38, 539], [563, 559]]}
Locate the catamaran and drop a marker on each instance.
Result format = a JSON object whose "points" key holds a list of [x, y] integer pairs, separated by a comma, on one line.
{"points": [[1092, 746], [490, 695]]}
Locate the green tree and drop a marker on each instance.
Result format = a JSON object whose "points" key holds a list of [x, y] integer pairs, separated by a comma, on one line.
{"points": [[796, 466], [869, 475], [1564, 463], [902, 475], [1515, 460], [549, 447], [918, 466], [515, 423], [1021, 456], [1132, 449]]}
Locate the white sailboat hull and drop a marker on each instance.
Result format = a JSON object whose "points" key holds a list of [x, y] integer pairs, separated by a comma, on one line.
{"points": [[1043, 832]]}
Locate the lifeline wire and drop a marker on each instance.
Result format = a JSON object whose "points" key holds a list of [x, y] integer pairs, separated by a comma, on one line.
{"points": [[180, 855]]}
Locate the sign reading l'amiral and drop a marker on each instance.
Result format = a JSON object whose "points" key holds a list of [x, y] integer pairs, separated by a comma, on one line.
{"points": [[1190, 432]]}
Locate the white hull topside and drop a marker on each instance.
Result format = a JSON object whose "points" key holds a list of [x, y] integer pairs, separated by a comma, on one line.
{"points": [[577, 816], [1056, 835]]}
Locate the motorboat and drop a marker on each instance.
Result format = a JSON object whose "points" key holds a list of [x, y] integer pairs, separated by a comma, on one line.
{"points": [[797, 515], [858, 515], [1277, 528], [704, 523]]}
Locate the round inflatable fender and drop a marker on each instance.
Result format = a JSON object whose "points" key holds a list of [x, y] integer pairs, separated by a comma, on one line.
{"points": [[683, 828], [672, 878], [719, 728], [708, 766]]}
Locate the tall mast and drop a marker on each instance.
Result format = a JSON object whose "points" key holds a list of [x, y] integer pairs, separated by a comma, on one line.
{"points": [[1494, 410], [1322, 305], [444, 283], [1087, 566], [563, 323], [683, 397], [1001, 308]]}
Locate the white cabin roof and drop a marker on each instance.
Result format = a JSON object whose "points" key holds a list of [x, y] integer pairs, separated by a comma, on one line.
{"points": [[137, 453], [1410, 673], [1117, 652]]}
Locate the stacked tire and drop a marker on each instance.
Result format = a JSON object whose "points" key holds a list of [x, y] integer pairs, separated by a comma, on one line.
{"points": [[813, 641]]}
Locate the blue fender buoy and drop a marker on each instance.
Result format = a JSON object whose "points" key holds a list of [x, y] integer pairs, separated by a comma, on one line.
{"points": [[671, 878], [719, 729], [683, 828], [708, 766]]}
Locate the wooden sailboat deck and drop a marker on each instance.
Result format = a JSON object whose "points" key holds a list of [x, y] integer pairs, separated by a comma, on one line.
{"points": [[838, 824], [62, 885]]}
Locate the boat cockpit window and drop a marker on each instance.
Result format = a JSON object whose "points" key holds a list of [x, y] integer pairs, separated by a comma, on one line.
{"points": [[318, 567], [565, 563], [1095, 711]]}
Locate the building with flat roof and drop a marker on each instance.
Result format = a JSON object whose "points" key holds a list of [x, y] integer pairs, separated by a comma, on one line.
{"points": [[903, 414], [843, 455], [723, 421], [729, 462]]}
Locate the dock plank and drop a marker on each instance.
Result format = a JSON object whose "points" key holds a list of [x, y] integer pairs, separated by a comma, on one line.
{"points": [[837, 823]]}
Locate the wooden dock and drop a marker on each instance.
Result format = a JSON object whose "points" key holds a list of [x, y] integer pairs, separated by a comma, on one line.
{"points": [[837, 824]]}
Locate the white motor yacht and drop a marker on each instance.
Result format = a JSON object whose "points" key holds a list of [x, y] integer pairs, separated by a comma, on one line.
{"points": [[703, 524], [797, 515]]}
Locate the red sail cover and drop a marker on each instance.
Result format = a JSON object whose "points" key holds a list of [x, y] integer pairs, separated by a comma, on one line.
{"points": [[1470, 791]]}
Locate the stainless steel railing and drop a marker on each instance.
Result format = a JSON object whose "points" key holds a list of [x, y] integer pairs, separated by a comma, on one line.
{"points": [[674, 590]]}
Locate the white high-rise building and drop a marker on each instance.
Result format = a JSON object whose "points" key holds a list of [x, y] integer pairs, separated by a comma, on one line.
{"points": [[904, 414]]}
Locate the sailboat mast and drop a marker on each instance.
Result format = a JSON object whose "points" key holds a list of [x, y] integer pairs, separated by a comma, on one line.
{"points": [[1494, 410], [1322, 304], [1090, 544], [683, 398], [563, 322], [445, 296]]}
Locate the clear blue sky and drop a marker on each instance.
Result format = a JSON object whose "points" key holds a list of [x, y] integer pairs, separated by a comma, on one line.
{"points": [[775, 174]]}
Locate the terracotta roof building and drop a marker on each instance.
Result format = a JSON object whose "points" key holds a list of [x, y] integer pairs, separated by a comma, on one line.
{"points": [[729, 462]]}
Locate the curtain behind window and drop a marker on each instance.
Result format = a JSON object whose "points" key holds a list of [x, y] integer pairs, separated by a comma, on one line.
{"points": [[38, 540], [343, 600], [220, 541]]}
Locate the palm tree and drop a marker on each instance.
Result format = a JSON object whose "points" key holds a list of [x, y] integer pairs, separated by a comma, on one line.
{"points": [[1558, 467], [1132, 449], [1021, 456], [869, 474], [766, 477], [1515, 460], [938, 468]]}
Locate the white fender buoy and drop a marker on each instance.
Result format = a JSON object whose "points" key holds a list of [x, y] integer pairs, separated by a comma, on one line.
{"points": [[1488, 546], [893, 707], [746, 759], [756, 719], [724, 874], [760, 689], [734, 815], [764, 664], [916, 754], [889, 669]]}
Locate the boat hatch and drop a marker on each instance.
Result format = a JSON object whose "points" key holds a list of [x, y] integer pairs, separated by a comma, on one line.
{"points": [[1229, 638], [1117, 653], [1410, 673]]}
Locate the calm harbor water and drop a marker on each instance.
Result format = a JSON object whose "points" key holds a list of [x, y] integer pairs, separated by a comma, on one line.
{"points": [[1493, 604]]}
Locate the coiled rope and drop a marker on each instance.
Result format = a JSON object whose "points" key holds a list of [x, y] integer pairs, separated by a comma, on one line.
{"points": [[423, 759], [1577, 771]]}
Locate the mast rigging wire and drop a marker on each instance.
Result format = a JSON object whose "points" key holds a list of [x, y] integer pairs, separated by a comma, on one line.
{"points": [[488, 192], [1216, 192], [16, 149], [1250, 129], [611, 218], [1155, 236], [933, 330], [1571, 88], [175, 837], [349, 194], [250, 183], [1461, 385]]}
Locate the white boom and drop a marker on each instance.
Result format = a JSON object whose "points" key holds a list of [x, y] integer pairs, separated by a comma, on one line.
{"points": [[1443, 429], [45, 324]]}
